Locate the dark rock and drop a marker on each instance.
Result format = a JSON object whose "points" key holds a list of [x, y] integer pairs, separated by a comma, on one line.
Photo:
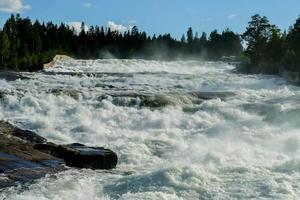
{"points": [[155, 101], [25, 175], [81, 156], [25, 156], [29, 136], [77, 144], [19, 161], [145, 100], [20, 170], [163, 100], [104, 86], [212, 95], [71, 93], [8, 129], [3, 94], [11, 75]]}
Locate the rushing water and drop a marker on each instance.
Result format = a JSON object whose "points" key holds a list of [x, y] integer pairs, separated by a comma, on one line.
{"points": [[171, 144]]}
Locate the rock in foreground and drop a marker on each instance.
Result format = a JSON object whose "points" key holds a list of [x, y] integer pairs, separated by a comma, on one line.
{"points": [[19, 161], [81, 156], [25, 156]]}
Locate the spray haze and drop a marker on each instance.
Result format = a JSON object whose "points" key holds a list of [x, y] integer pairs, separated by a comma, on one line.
{"points": [[171, 143]]}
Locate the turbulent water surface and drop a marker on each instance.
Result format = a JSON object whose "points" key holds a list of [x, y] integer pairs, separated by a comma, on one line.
{"points": [[172, 143]]}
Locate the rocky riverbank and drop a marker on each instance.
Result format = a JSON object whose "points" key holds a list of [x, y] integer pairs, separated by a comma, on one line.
{"points": [[26, 156]]}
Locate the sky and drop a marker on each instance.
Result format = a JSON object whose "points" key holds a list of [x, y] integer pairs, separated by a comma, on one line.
{"points": [[156, 16]]}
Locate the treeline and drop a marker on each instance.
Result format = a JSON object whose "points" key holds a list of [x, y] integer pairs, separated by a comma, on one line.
{"points": [[269, 49], [26, 45]]}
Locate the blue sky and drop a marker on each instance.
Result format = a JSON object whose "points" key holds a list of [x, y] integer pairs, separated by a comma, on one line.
{"points": [[157, 16]]}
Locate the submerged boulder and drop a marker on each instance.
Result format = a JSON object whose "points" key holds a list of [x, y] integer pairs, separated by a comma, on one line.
{"points": [[12, 75], [160, 100], [81, 156], [212, 95]]}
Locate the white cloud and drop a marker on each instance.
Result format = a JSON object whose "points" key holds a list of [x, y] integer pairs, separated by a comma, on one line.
{"points": [[116, 27], [13, 6], [232, 16], [77, 26], [87, 4]]}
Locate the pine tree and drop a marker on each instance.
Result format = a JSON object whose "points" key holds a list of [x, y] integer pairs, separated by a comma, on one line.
{"points": [[257, 34], [4, 48], [190, 35], [183, 40]]}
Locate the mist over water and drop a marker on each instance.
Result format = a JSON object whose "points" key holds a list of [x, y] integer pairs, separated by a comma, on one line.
{"points": [[171, 143]]}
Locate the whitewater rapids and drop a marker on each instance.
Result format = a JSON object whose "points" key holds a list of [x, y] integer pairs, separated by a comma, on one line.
{"points": [[174, 146]]}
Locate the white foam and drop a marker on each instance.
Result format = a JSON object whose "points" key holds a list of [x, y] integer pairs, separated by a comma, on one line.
{"points": [[135, 66], [4, 85], [244, 147]]}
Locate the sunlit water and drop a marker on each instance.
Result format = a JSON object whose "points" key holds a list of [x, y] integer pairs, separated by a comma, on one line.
{"points": [[245, 146]]}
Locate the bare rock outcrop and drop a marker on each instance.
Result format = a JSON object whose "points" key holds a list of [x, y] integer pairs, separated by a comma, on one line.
{"points": [[26, 156], [55, 60]]}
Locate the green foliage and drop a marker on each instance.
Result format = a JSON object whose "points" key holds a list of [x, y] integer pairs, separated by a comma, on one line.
{"points": [[225, 44], [4, 48], [292, 58], [257, 34], [26, 45], [183, 40], [269, 49], [190, 35]]}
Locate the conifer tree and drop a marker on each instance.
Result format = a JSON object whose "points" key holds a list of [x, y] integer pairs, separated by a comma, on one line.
{"points": [[4, 48], [190, 35]]}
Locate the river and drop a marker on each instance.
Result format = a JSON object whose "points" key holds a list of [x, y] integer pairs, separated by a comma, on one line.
{"points": [[240, 143]]}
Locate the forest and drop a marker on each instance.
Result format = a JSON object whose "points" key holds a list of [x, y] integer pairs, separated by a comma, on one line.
{"points": [[25, 45], [269, 49]]}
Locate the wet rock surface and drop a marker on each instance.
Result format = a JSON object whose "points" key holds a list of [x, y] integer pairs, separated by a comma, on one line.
{"points": [[26, 156], [212, 95], [165, 99], [19, 161], [11, 75], [81, 156]]}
